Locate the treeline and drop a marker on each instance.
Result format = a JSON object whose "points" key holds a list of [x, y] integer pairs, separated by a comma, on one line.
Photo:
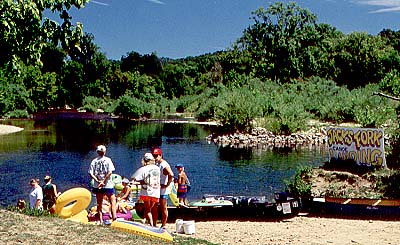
{"points": [[284, 70]]}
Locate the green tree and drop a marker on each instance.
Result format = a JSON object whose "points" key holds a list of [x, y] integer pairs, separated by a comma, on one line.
{"points": [[24, 31], [278, 38]]}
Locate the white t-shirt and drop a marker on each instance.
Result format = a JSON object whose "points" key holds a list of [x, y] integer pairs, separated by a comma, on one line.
{"points": [[164, 178], [34, 195], [100, 167], [150, 174]]}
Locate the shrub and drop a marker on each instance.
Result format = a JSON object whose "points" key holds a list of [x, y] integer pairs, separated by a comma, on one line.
{"points": [[300, 185], [132, 108], [370, 110]]}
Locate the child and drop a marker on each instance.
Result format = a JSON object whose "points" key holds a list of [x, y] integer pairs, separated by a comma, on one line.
{"points": [[182, 182]]}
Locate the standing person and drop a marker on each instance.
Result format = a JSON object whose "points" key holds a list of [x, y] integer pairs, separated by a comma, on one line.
{"points": [[149, 177], [166, 178], [100, 170], [182, 182], [35, 195], [50, 194]]}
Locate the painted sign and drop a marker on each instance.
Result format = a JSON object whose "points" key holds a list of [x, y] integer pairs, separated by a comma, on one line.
{"points": [[363, 145]]}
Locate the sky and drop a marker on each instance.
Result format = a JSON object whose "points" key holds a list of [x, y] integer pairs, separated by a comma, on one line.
{"points": [[182, 28]]}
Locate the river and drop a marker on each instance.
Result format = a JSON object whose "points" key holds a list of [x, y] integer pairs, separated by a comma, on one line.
{"points": [[63, 148]]}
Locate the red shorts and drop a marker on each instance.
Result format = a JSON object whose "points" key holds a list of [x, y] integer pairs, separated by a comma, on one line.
{"points": [[147, 198]]}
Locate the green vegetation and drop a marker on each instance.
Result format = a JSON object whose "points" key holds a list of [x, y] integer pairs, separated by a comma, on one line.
{"points": [[284, 70]]}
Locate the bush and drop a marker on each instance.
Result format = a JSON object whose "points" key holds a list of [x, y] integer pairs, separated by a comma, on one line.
{"points": [[370, 110], [236, 109], [132, 108], [17, 114], [300, 185]]}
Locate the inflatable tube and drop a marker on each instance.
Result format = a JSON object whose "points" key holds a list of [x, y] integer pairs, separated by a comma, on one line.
{"points": [[81, 217], [72, 202], [142, 230], [173, 195]]}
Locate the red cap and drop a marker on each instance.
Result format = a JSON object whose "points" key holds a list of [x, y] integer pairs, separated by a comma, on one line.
{"points": [[156, 151]]}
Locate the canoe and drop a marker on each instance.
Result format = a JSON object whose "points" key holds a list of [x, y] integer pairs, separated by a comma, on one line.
{"points": [[361, 207], [217, 207]]}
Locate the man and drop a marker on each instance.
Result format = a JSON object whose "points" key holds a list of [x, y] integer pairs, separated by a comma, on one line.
{"points": [[166, 178], [100, 170]]}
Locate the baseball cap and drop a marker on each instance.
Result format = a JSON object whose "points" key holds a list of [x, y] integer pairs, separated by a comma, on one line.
{"points": [[47, 177], [156, 151], [148, 156], [125, 180], [101, 148], [179, 165]]}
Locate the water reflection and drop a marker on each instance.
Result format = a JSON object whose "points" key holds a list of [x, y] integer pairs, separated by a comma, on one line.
{"points": [[64, 149]]}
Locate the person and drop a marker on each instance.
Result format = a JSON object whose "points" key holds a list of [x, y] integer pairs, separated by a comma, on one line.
{"points": [[149, 177], [183, 182], [21, 204], [50, 194], [166, 178], [35, 195], [125, 194], [100, 170]]}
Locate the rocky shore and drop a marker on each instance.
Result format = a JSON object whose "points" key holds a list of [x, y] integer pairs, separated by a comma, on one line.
{"points": [[261, 138]]}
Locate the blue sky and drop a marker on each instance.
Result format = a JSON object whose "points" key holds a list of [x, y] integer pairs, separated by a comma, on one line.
{"points": [[181, 28]]}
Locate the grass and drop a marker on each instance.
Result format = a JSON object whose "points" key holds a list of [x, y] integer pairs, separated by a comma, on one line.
{"points": [[18, 228]]}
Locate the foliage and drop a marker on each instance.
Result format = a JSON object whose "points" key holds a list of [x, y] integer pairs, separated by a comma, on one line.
{"points": [[370, 110], [300, 185], [133, 108], [25, 33], [13, 94], [391, 83], [17, 114], [236, 109]]}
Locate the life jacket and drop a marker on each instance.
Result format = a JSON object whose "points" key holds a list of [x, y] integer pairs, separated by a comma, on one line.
{"points": [[48, 193]]}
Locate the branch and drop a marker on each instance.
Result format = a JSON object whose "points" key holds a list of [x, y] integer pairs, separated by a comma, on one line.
{"points": [[387, 96]]}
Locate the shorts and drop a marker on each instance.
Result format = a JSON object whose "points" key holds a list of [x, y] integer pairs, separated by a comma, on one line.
{"points": [[181, 194], [105, 191], [147, 198], [164, 196]]}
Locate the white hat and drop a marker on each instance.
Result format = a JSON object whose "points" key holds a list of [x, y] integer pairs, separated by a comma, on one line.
{"points": [[101, 148], [148, 157], [125, 180]]}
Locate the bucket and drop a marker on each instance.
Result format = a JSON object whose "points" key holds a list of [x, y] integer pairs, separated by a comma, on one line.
{"points": [[179, 226], [188, 227]]}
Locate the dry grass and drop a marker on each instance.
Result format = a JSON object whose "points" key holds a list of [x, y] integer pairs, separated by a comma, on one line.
{"points": [[16, 228]]}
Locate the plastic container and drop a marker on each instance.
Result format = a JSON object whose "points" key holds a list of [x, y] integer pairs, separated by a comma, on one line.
{"points": [[189, 227], [179, 226]]}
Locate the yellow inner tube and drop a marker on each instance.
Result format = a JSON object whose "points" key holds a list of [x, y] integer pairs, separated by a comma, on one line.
{"points": [[72, 202]]}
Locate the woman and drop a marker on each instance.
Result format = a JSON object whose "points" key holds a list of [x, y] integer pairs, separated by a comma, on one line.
{"points": [[50, 195], [125, 194], [35, 195], [149, 178]]}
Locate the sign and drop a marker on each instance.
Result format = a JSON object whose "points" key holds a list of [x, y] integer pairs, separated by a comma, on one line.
{"points": [[365, 146]]}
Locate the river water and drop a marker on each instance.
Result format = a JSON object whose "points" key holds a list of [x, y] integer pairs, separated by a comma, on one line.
{"points": [[63, 148]]}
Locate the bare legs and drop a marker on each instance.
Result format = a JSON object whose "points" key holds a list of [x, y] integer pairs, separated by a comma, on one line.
{"points": [[164, 211]]}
